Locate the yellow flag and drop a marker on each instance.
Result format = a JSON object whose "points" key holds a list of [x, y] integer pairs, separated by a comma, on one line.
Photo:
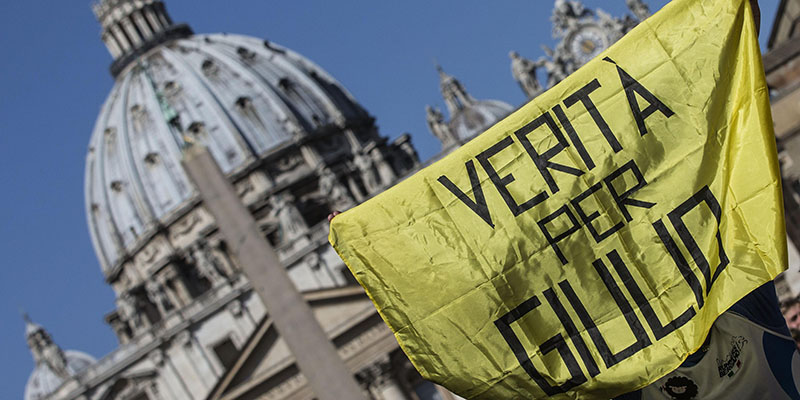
{"points": [[583, 246]]}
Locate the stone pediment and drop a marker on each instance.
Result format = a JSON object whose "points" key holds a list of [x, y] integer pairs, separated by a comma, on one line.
{"points": [[265, 365]]}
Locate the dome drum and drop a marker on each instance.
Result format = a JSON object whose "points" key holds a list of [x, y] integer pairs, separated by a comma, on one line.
{"points": [[130, 28], [291, 214], [171, 33], [285, 165]]}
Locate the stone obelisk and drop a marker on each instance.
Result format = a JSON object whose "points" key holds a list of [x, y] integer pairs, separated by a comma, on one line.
{"points": [[315, 354]]}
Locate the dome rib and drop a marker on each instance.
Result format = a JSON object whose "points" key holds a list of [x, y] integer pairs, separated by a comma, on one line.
{"points": [[98, 203], [337, 96], [245, 147], [228, 150], [128, 160], [285, 67], [342, 99], [155, 151], [120, 190], [259, 146], [331, 113]]}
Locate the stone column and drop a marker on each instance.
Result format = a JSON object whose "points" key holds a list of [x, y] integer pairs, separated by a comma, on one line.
{"points": [[144, 28], [151, 16], [364, 165], [385, 171], [111, 43], [351, 137], [130, 29], [315, 355], [355, 190], [158, 295], [310, 155], [181, 295], [124, 45], [162, 14]]}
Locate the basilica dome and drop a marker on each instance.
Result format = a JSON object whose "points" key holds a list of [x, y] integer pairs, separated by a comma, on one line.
{"points": [[294, 144], [44, 381], [242, 97]]}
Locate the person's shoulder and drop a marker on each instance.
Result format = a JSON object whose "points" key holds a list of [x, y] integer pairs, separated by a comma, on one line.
{"points": [[762, 308]]}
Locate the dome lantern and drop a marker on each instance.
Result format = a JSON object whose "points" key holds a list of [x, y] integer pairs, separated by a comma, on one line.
{"points": [[53, 365], [132, 27], [455, 96]]}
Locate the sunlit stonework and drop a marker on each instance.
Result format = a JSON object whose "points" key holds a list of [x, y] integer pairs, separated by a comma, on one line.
{"points": [[582, 33]]}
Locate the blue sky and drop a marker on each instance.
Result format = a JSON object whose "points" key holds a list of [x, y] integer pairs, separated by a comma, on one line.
{"points": [[55, 77]]}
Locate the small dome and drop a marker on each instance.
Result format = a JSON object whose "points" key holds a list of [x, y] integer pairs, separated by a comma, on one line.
{"points": [[53, 365], [468, 117], [477, 117], [239, 96], [44, 381]]}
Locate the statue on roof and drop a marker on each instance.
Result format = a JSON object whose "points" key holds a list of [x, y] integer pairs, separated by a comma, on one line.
{"points": [[524, 72], [639, 9], [437, 125], [557, 64], [566, 14], [332, 189], [365, 167], [206, 262], [158, 296], [290, 221]]}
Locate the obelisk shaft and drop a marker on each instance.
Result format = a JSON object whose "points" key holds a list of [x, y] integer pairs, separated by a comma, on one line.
{"points": [[314, 353]]}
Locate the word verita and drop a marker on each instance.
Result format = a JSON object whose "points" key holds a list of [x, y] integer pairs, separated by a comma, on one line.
{"points": [[643, 104]]}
